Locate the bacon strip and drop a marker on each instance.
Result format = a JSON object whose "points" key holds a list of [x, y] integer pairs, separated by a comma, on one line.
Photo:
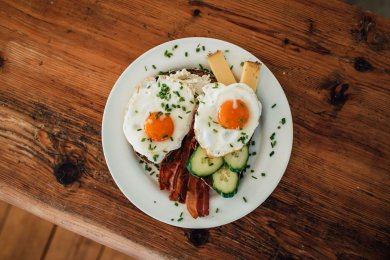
{"points": [[184, 187], [173, 172], [197, 197]]}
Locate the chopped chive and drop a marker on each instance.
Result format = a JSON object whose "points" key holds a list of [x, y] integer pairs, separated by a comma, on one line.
{"points": [[209, 124], [231, 145], [151, 174], [274, 105], [192, 102], [215, 130], [146, 69], [186, 54], [244, 199], [253, 143], [176, 204], [254, 153], [242, 63], [139, 129], [143, 139], [141, 162], [273, 143], [180, 219], [278, 127], [155, 157], [180, 117], [168, 54], [216, 211], [172, 219], [175, 47], [181, 214], [165, 136], [231, 67], [227, 50], [189, 111], [198, 49], [252, 170], [272, 137], [263, 174], [254, 177], [203, 48], [136, 111], [154, 66], [283, 121], [201, 67], [171, 138], [272, 153]]}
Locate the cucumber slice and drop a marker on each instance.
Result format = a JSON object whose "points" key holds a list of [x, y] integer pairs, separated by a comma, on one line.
{"points": [[200, 165], [237, 160], [225, 182]]}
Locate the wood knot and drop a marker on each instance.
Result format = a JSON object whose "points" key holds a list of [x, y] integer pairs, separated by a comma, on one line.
{"points": [[337, 94], [362, 65], [311, 26], [198, 237], [68, 172], [365, 26], [286, 41], [2, 61], [196, 12]]}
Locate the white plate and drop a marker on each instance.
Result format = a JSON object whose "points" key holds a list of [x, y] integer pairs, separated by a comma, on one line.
{"points": [[143, 191]]}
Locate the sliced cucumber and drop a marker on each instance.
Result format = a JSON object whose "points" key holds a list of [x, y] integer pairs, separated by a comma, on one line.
{"points": [[237, 160], [225, 182], [200, 165]]}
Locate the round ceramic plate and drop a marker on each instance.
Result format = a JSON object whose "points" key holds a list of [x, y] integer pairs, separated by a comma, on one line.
{"points": [[268, 160]]}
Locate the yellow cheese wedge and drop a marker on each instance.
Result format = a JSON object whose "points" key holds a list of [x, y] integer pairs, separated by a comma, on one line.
{"points": [[220, 68], [250, 74]]}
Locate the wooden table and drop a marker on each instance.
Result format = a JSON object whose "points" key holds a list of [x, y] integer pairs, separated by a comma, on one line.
{"points": [[60, 59]]}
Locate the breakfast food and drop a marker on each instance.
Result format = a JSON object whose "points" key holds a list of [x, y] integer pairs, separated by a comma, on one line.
{"points": [[227, 117], [158, 117], [194, 126]]}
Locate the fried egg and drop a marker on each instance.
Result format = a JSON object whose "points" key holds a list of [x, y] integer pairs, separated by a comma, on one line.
{"points": [[226, 117], [158, 117]]}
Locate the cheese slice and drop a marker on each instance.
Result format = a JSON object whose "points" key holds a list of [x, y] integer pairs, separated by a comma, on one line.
{"points": [[250, 74], [220, 68]]}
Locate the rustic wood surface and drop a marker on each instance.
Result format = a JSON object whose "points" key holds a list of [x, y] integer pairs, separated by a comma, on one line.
{"points": [[25, 236], [60, 59]]}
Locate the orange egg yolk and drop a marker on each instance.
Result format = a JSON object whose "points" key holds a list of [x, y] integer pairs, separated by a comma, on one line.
{"points": [[233, 114], [158, 127]]}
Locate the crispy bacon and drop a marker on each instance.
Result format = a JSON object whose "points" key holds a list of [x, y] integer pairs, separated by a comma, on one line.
{"points": [[173, 172], [184, 187], [197, 197]]}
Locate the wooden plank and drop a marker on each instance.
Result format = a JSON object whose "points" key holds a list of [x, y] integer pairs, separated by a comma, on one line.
{"points": [[23, 236], [4, 211], [59, 60], [111, 254], [68, 245]]}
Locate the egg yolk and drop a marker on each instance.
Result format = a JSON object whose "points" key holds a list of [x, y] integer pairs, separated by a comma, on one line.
{"points": [[158, 127], [233, 114]]}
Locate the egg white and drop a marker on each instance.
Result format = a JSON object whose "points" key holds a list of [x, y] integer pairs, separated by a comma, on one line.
{"points": [[213, 137], [146, 100]]}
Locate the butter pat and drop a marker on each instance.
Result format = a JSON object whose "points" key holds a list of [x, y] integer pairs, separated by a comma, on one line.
{"points": [[220, 68], [250, 74]]}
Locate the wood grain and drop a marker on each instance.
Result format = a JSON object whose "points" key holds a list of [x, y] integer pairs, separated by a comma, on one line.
{"points": [[110, 254], [23, 243], [68, 245], [60, 59], [4, 212]]}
